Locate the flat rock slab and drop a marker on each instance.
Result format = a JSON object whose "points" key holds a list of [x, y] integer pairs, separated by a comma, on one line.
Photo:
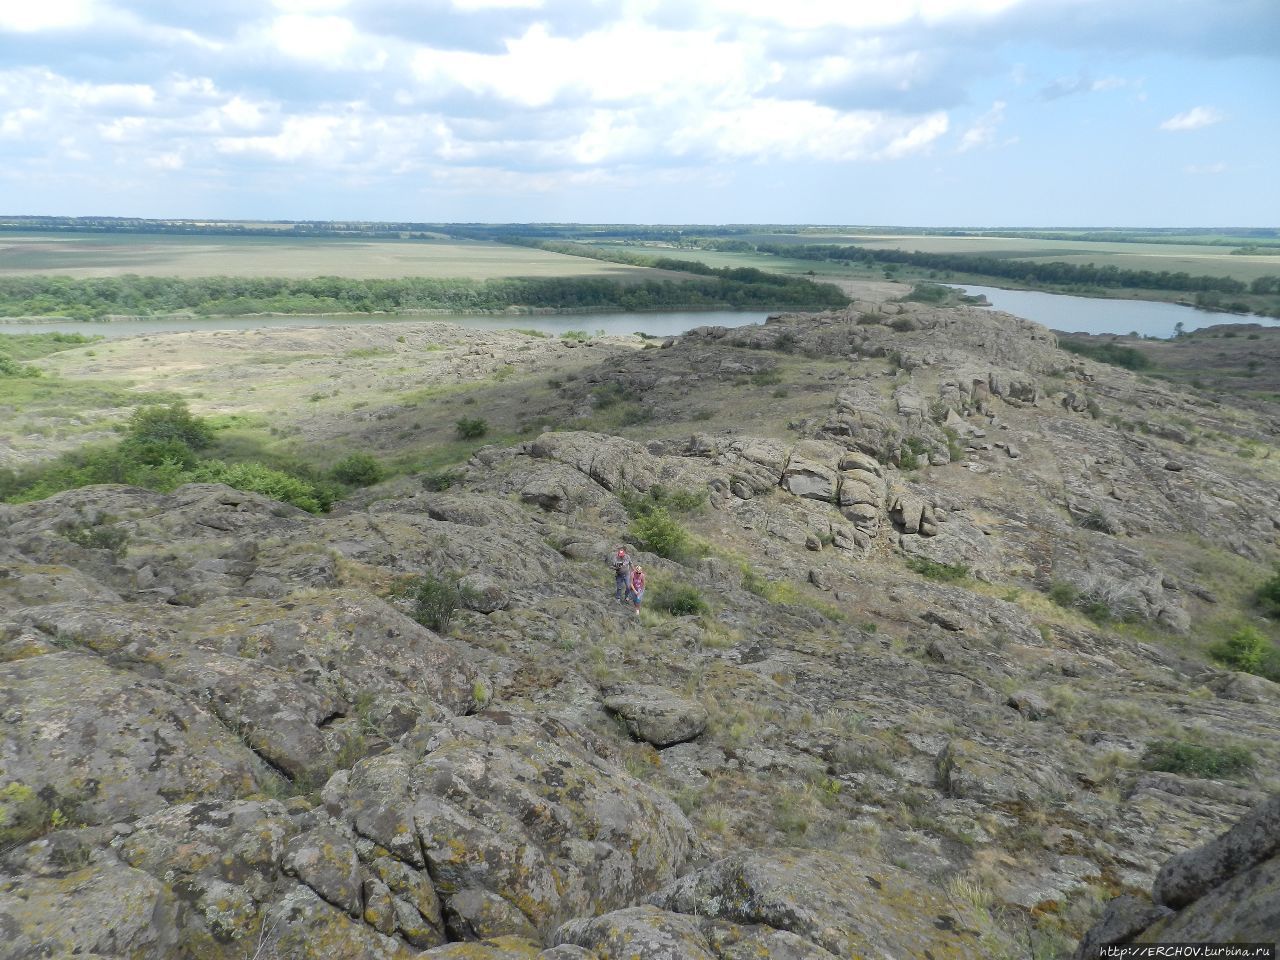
{"points": [[658, 716], [848, 907]]}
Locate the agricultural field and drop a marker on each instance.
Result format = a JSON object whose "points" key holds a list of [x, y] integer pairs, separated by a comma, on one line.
{"points": [[109, 255], [1193, 258]]}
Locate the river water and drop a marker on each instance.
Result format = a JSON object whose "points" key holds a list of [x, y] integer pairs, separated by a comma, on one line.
{"points": [[1099, 315], [1054, 310], [654, 324]]}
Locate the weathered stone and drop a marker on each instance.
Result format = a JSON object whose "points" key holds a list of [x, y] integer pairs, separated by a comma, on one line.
{"points": [[847, 906], [658, 716], [83, 734], [104, 908], [1124, 918], [483, 594], [472, 914], [1031, 705], [1244, 909], [1190, 875], [327, 863]]}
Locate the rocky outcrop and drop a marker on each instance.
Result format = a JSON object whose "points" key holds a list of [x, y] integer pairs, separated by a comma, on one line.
{"points": [[658, 716], [506, 840], [1225, 891], [847, 907]]}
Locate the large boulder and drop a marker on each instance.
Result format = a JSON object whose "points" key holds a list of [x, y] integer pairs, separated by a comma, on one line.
{"points": [[647, 933], [105, 744], [1191, 875], [849, 907], [522, 822], [656, 715]]}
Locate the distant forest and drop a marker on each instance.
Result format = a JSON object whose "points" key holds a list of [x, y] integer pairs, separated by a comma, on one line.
{"points": [[97, 298]]}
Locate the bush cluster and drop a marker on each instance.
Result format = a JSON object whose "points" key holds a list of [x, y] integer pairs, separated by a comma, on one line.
{"points": [[436, 599], [162, 449], [1248, 650], [942, 572], [1194, 760], [471, 428], [1269, 595], [679, 600]]}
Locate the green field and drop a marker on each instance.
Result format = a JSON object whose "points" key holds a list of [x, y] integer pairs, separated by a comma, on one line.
{"points": [[1193, 258], [761, 261], [110, 255]]}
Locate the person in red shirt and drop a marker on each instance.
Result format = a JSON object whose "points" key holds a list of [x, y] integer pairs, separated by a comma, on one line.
{"points": [[636, 593]]}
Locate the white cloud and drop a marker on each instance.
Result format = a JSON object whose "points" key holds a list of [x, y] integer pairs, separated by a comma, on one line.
{"points": [[166, 161], [241, 113], [471, 5], [32, 16], [310, 6], [856, 14], [310, 137], [1210, 169], [796, 130], [984, 128], [1193, 119], [305, 37], [627, 61]]}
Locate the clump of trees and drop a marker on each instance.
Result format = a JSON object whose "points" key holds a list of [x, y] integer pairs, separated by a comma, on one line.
{"points": [[1112, 353], [98, 297], [165, 446]]}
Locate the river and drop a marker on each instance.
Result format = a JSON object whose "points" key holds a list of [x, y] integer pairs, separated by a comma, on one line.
{"points": [[1055, 310], [664, 324], [1069, 314]]}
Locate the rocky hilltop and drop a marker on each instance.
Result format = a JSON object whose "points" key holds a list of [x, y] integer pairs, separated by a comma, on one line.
{"points": [[928, 599]]}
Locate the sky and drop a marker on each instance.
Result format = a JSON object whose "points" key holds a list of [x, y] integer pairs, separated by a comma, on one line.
{"points": [[904, 112]]}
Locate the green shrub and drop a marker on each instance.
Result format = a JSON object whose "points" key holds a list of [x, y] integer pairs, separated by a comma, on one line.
{"points": [[435, 600], [683, 500], [1194, 760], [99, 537], [440, 480], [12, 368], [954, 449], [929, 293], [1269, 595], [257, 478], [581, 336], [1111, 353], [679, 600], [1248, 650], [168, 424], [658, 532], [942, 572], [471, 428], [358, 470], [608, 394]]}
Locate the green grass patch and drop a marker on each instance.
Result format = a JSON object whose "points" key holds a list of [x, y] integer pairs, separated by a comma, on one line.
{"points": [[1112, 353], [679, 600], [1248, 650], [941, 572], [1195, 760], [1268, 595]]}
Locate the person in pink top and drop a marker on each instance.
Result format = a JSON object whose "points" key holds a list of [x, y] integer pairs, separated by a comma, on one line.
{"points": [[636, 593]]}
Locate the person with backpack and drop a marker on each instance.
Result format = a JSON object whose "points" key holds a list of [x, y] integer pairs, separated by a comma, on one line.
{"points": [[636, 593], [622, 576]]}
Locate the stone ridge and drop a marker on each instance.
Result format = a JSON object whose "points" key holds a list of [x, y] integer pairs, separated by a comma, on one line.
{"points": [[231, 737]]}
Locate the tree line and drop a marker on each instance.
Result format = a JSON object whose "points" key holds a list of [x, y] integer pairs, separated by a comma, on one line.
{"points": [[1032, 271], [100, 297]]}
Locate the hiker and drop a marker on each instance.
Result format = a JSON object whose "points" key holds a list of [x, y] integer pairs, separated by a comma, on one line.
{"points": [[621, 576], [636, 593]]}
